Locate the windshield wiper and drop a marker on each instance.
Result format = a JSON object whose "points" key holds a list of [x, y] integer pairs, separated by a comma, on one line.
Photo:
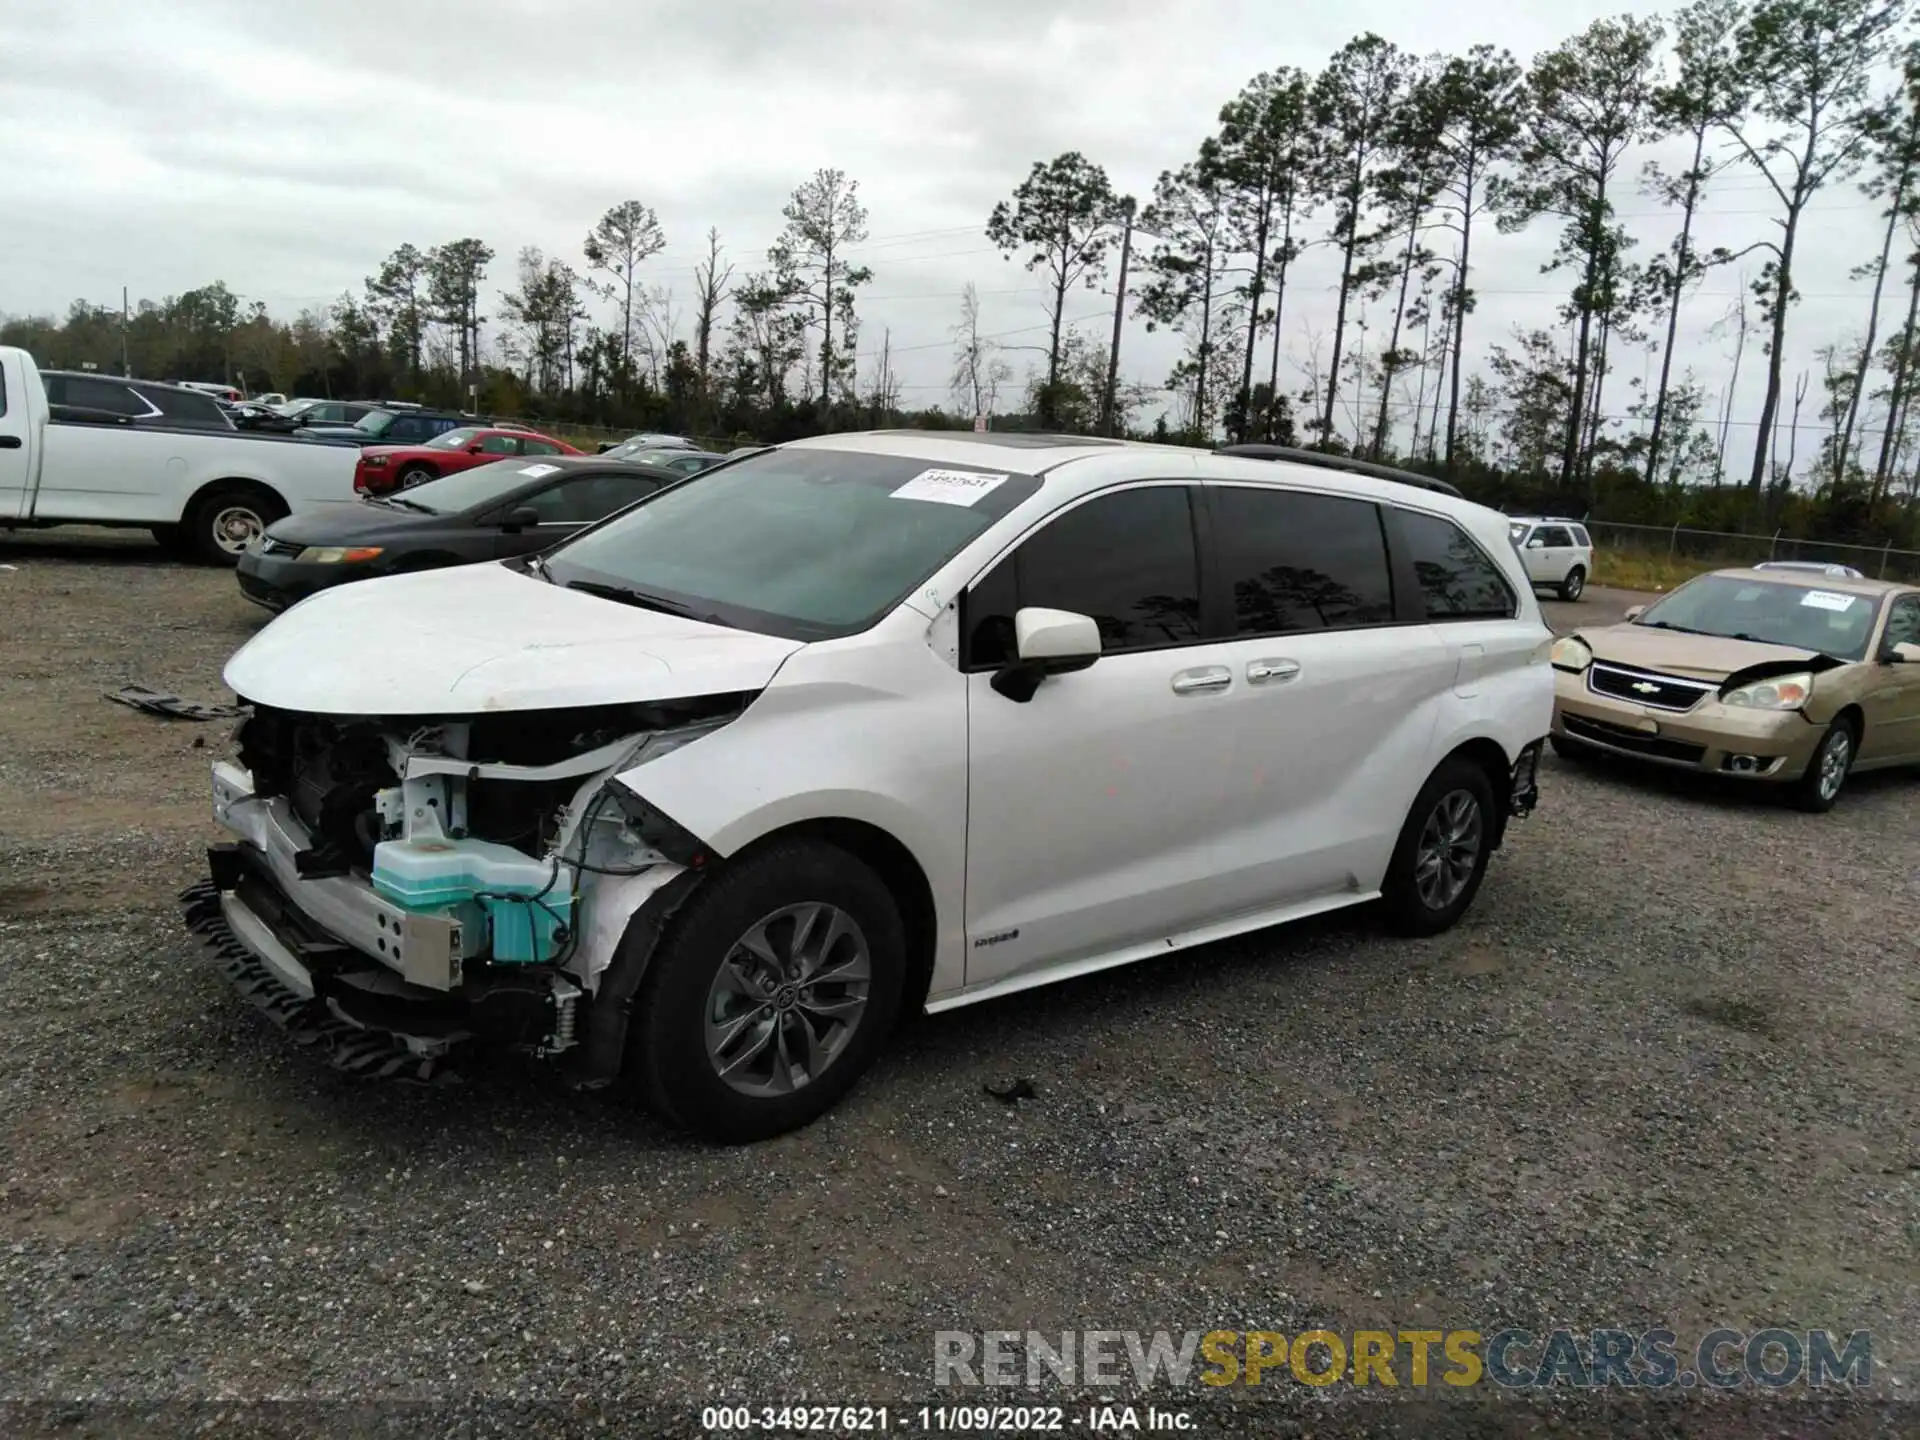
{"points": [[408, 504], [641, 599], [1669, 625]]}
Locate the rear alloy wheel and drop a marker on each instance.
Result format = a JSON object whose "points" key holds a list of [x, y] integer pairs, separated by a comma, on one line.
{"points": [[416, 475], [1575, 585], [1443, 850], [1826, 773], [771, 993]]}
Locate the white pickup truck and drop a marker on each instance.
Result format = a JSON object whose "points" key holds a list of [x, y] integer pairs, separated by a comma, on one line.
{"points": [[204, 493]]}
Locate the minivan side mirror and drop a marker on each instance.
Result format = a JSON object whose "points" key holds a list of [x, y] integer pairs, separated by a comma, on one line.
{"points": [[521, 517], [1046, 642], [1634, 611]]}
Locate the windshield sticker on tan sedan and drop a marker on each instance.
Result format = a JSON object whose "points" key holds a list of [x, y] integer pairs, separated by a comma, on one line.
{"points": [[1827, 600]]}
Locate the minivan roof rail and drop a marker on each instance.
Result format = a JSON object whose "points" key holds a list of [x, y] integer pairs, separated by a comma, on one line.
{"points": [[1348, 463]]}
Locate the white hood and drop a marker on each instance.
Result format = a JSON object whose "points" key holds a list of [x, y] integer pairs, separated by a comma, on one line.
{"points": [[483, 637]]}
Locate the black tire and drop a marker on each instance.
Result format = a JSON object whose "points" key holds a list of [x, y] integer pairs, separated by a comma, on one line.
{"points": [[220, 522], [413, 475], [1574, 585], [668, 1054], [1812, 792], [1568, 748], [1410, 909]]}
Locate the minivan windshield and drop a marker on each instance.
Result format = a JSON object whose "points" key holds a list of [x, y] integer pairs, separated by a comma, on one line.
{"points": [[1805, 617], [804, 544]]}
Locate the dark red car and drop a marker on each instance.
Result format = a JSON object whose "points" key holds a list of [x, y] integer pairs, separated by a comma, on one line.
{"points": [[384, 468]]}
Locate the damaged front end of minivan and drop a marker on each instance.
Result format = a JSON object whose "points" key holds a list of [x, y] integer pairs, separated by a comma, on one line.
{"points": [[396, 888]]}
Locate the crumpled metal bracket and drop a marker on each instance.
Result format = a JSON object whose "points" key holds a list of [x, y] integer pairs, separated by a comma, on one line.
{"points": [[170, 706]]}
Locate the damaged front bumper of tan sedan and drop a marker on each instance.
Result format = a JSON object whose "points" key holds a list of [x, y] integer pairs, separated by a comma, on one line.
{"points": [[1708, 736]]}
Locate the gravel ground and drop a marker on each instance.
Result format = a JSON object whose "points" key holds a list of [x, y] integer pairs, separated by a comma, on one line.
{"points": [[1665, 1073]]}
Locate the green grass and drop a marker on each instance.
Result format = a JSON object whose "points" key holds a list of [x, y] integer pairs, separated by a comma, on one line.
{"points": [[1638, 570]]}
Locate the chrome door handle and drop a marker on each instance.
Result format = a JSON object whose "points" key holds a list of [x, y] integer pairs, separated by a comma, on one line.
{"points": [[1207, 677], [1261, 671]]}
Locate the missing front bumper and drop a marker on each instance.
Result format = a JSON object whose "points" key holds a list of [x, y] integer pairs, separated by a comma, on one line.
{"points": [[363, 1017], [1524, 783]]}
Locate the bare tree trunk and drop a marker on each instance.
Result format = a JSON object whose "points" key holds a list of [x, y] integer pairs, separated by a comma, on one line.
{"points": [[1256, 287], [1459, 317], [1347, 249], [1577, 410], [1390, 357], [1279, 309], [1206, 345], [1902, 365], [1782, 294], [1682, 262], [1873, 332]]}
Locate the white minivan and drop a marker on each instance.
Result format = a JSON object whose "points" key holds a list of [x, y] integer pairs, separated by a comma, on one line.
{"points": [[708, 796]]}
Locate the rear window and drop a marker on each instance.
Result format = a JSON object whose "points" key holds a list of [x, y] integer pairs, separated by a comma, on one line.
{"points": [[1580, 537], [1457, 580], [1299, 561]]}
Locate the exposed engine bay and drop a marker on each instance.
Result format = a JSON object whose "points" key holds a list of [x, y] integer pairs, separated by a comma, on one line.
{"points": [[333, 771], [431, 879]]}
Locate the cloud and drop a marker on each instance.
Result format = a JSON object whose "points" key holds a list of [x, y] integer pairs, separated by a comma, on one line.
{"points": [[287, 148]]}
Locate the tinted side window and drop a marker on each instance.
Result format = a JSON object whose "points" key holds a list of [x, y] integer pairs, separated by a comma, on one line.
{"points": [[1903, 623], [539, 447], [499, 445], [1297, 561], [1581, 538], [1554, 535], [1128, 560], [103, 395], [1456, 577], [587, 498], [187, 405]]}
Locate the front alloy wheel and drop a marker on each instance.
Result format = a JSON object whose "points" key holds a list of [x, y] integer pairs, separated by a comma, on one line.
{"points": [[769, 993], [787, 999], [1826, 773]]}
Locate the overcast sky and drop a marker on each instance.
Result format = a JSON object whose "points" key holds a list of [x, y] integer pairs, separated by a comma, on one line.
{"points": [[286, 147]]}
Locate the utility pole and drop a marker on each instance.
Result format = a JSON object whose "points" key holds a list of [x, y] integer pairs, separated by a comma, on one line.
{"points": [[1109, 418], [126, 368]]}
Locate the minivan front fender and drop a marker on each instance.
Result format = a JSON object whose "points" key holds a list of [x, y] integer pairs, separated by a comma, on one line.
{"points": [[872, 729]]}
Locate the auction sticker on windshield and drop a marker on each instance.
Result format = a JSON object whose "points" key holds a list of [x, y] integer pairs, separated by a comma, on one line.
{"points": [[950, 487], [1827, 600], [540, 471]]}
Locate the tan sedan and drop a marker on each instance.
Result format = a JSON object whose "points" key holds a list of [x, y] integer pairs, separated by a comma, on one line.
{"points": [[1787, 678]]}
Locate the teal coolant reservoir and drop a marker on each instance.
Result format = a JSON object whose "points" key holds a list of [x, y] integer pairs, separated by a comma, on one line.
{"points": [[528, 903]]}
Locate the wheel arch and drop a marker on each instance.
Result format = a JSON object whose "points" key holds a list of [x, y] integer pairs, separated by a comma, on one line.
{"points": [[1491, 757], [254, 483], [899, 870]]}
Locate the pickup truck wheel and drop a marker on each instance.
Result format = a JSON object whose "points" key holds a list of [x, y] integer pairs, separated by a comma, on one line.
{"points": [[226, 519]]}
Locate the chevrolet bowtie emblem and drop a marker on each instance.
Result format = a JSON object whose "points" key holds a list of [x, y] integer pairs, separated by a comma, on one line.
{"points": [[1644, 688]]}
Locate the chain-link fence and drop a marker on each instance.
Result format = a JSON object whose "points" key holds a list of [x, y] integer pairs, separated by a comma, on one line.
{"points": [[1736, 547]]}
